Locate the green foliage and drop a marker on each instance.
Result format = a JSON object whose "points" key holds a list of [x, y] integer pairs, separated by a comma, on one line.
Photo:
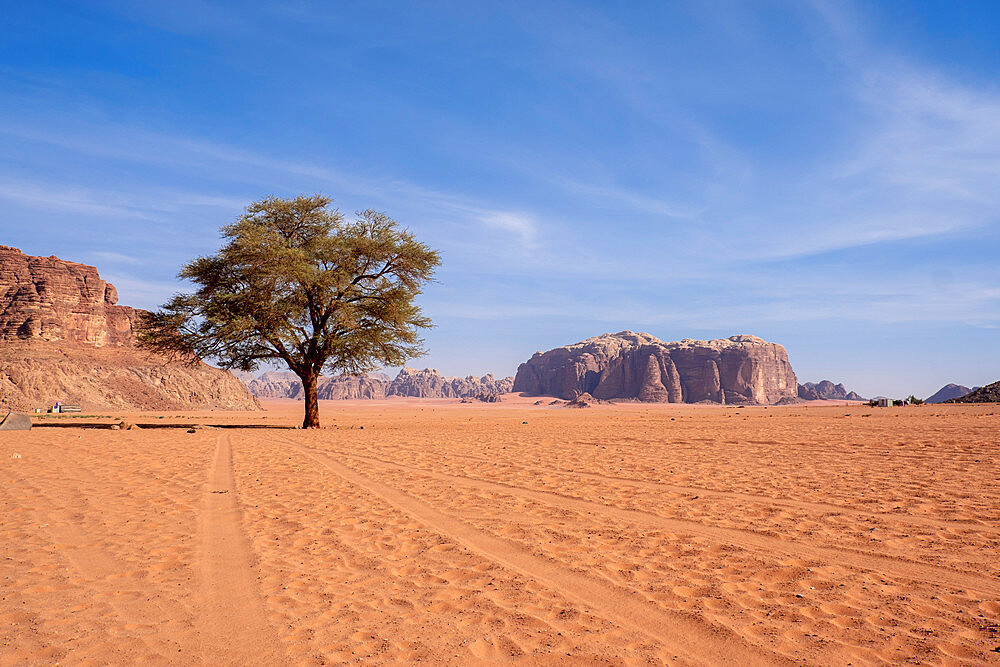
{"points": [[913, 400], [296, 282]]}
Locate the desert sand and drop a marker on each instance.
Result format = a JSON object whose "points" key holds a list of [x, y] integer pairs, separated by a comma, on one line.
{"points": [[433, 531]]}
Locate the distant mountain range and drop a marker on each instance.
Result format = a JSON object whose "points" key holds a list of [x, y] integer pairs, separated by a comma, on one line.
{"points": [[948, 392], [426, 383], [824, 390], [988, 394]]}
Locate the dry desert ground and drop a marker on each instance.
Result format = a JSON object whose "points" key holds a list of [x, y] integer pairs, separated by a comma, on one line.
{"points": [[431, 531]]}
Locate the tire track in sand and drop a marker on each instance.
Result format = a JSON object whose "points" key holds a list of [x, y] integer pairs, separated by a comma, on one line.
{"points": [[683, 634], [773, 501], [232, 619], [907, 569]]}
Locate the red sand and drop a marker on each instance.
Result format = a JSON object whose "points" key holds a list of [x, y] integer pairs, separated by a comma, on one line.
{"points": [[447, 533]]}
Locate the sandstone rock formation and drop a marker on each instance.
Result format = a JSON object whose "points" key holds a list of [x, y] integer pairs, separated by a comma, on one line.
{"points": [[426, 383], [627, 365], [948, 392], [824, 390], [583, 401], [64, 338], [353, 387], [483, 398], [274, 384], [429, 383], [48, 299], [285, 384], [988, 394]]}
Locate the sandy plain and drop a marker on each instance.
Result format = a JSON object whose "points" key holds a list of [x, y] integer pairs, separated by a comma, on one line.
{"points": [[445, 533]]}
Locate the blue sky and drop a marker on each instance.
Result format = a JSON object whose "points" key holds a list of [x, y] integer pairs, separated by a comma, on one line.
{"points": [[825, 175]]}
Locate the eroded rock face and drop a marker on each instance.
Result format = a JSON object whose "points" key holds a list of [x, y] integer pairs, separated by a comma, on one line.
{"points": [[48, 299], [353, 387], [64, 338], [429, 383], [627, 365], [286, 384], [426, 383], [274, 384], [827, 391]]}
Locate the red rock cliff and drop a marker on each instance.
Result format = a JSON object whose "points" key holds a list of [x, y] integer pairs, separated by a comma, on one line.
{"points": [[627, 365], [49, 299], [64, 338]]}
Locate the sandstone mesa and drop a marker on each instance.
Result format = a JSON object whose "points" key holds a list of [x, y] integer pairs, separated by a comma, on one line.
{"points": [[626, 365]]}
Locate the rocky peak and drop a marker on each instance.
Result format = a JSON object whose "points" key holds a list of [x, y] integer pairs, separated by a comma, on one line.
{"points": [[948, 392], [826, 390], [274, 384]]}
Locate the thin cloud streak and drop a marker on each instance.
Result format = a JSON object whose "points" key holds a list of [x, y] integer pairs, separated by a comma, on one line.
{"points": [[182, 152], [70, 199], [116, 257]]}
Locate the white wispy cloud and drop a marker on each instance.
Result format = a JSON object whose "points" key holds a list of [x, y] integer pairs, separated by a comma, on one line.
{"points": [[247, 169], [116, 257], [924, 161], [524, 227], [133, 202], [926, 165], [68, 198]]}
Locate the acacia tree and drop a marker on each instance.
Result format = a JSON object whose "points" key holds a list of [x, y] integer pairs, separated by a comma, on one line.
{"points": [[297, 283]]}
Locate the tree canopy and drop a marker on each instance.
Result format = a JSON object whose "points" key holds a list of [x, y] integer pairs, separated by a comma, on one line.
{"points": [[298, 283]]}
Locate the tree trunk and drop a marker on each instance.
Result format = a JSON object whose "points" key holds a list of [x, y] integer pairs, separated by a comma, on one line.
{"points": [[309, 387]]}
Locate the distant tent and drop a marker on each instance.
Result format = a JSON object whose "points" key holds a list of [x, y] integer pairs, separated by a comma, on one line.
{"points": [[12, 422]]}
